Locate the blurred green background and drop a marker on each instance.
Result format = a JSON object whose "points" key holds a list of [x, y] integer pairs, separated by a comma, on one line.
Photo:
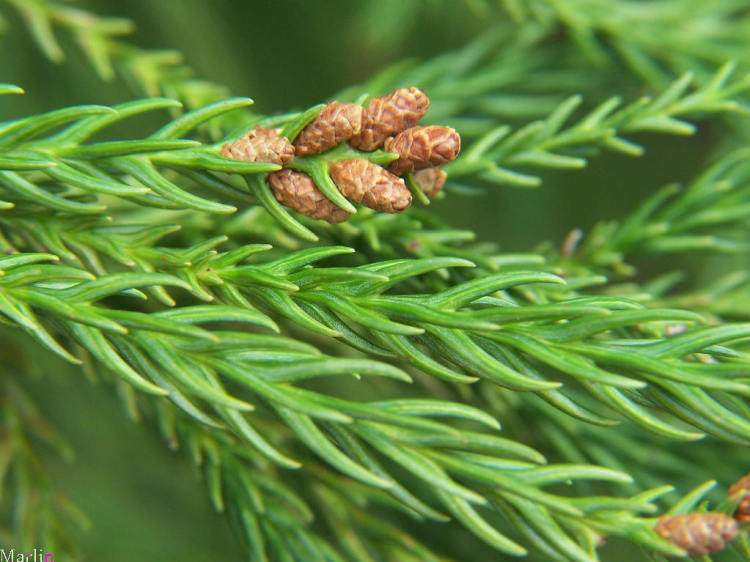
{"points": [[145, 502]]}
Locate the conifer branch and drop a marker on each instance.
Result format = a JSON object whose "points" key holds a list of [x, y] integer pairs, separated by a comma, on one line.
{"points": [[700, 36], [710, 216], [171, 354], [449, 332], [186, 370], [547, 144], [453, 334], [539, 144], [279, 512]]}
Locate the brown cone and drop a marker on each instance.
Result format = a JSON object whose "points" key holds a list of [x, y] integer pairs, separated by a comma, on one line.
{"points": [[697, 533], [388, 115], [740, 490], [423, 147], [260, 145], [298, 191], [364, 182], [336, 123], [430, 180]]}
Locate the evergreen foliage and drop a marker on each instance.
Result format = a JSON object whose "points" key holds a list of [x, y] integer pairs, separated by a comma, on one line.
{"points": [[223, 316]]}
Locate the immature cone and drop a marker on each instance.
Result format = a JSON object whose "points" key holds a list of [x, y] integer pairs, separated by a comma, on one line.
{"points": [[740, 490], [298, 191], [430, 180], [364, 182], [388, 115], [423, 147], [697, 533], [336, 123], [260, 145]]}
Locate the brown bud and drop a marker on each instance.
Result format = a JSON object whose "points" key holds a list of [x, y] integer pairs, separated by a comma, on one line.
{"points": [[364, 182], [740, 491], [336, 123], [430, 180], [388, 115], [260, 145], [697, 533], [423, 147], [298, 191]]}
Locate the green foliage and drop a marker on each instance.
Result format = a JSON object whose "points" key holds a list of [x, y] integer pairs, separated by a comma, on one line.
{"points": [[709, 215], [638, 33], [223, 316], [537, 144], [42, 515]]}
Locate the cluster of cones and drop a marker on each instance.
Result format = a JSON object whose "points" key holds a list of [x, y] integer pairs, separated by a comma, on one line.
{"points": [[389, 122], [701, 533]]}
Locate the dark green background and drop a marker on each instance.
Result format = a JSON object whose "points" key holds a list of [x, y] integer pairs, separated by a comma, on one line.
{"points": [[145, 502]]}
